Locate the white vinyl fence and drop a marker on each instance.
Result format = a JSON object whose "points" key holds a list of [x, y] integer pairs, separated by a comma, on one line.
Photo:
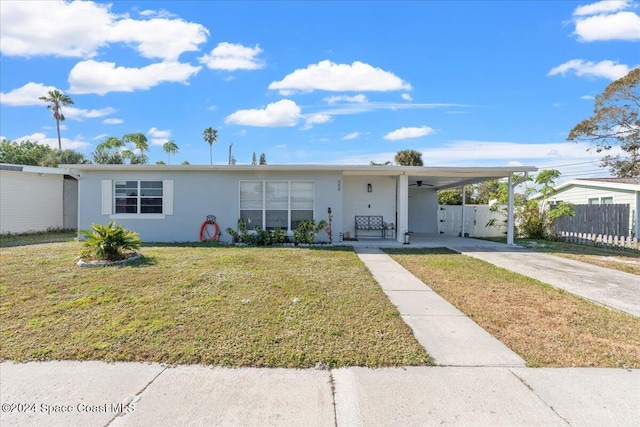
{"points": [[476, 219], [599, 240]]}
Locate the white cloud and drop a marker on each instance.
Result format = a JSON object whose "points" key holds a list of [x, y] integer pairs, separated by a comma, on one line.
{"points": [[159, 37], [67, 143], [281, 113], [113, 121], [408, 132], [30, 28], [26, 95], [588, 97], [606, 69], [360, 98], [78, 114], [619, 26], [316, 119], [230, 57], [157, 13], [407, 97], [350, 136], [158, 137], [605, 6], [329, 76], [606, 20], [103, 77]]}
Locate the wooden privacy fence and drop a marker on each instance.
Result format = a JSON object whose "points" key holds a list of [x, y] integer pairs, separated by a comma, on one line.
{"points": [[605, 220], [599, 240]]}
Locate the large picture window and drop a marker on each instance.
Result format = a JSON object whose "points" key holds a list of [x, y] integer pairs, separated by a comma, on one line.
{"points": [[276, 204], [138, 197]]}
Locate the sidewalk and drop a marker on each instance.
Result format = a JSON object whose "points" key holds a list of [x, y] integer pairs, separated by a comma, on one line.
{"points": [[137, 394]]}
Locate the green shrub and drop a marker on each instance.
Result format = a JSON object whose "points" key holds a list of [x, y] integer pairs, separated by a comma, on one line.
{"points": [[307, 230], [109, 242]]}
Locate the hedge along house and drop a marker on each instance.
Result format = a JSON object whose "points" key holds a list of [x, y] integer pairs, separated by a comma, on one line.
{"points": [[166, 203]]}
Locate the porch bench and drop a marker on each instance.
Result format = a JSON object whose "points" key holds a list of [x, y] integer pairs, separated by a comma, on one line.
{"points": [[370, 223]]}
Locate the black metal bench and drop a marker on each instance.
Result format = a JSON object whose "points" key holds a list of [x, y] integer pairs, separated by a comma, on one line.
{"points": [[370, 223]]}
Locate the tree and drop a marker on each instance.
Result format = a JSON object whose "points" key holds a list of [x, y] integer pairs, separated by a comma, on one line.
{"points": [[254, 160], [372, 163], [115, 151], [170, 148], [453, 196], [185, 162], [57, 100], [210, 136], [487, 191], [533, 219], [263, 159], [615, 121], [64, 157], [409, 158], [23, 153], [160, 162]]}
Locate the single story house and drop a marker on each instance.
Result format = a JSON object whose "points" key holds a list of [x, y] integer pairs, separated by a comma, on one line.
{"points": [[602, 191], [168, 203], [34, 198]]}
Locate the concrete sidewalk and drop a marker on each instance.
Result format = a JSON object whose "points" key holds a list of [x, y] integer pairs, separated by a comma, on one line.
{"points": [[449, 336], [611, 288], [137, 394]]}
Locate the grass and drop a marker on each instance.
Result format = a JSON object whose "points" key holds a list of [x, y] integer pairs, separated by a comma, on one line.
{"points": [[545, 326], [34, 238], [187, 304], [627, 260]]}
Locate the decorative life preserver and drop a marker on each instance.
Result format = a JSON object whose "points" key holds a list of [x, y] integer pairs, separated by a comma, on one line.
{"points": [[205, 230]]}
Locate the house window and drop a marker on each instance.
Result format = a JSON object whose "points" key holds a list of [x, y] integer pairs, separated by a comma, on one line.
{"points": [[606, 200], [593, 201], [276, 204], [138, 197]]}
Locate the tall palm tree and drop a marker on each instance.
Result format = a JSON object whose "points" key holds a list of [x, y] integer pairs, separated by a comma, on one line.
{"points": [[139, 142], [210, 135], [57, 100], [170, 148]]}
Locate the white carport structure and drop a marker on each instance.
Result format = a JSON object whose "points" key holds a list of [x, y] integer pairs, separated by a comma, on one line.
{"points": [[408, 179]]}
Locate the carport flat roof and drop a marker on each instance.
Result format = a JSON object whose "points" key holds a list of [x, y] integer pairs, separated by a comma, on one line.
{"points": [[432, 176]]}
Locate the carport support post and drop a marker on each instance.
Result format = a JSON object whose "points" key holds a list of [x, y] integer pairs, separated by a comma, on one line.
{"points": [[510, 186], [402, 207], [464, 202]]}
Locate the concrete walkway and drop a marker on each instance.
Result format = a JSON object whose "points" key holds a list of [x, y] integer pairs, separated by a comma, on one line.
{"points": [[611, 288], [449, 336]]}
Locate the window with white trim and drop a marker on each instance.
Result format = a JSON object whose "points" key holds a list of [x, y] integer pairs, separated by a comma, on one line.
{"points": [[276, 204], [132, 199]]}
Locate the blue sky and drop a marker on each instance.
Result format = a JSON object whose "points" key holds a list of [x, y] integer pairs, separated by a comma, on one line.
{"points": [[466, 83]]}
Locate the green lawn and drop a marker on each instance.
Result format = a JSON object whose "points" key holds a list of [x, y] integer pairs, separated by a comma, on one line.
{"points": [[544, 325], [277, 307]]}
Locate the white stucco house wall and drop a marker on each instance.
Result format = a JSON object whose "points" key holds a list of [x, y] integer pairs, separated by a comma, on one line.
{"points": [[34, 198], [590, 191], [168, 203]]}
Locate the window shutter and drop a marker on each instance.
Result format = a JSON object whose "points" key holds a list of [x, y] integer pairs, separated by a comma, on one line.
{"points": [[167, 197], [107, 197]]}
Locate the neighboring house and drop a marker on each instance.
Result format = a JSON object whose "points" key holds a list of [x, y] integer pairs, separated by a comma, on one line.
{"points": [[168, 203], [603, 191], [34, 198]]}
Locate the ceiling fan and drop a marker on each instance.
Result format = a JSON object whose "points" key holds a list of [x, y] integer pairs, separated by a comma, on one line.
{"points": [[420, 184]]}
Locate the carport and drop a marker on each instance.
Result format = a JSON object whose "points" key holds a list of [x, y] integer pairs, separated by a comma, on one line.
{"points": [[415, 195]]}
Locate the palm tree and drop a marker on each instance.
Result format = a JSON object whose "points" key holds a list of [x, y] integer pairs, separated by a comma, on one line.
{"points": [[170, 148], [57, 100], [139, 142], [210, 135]]}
